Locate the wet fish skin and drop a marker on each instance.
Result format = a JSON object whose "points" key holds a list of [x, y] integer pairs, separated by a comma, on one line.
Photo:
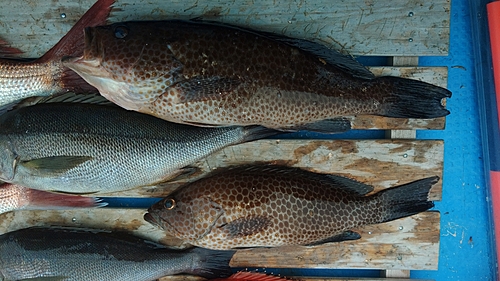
{"points": [[45, 76], [212, 74], [16, 197], [77, 254], [268, 206], [83, 148]]}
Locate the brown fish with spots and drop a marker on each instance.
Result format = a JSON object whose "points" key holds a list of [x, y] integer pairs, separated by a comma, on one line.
{"points": [[211, 74], [267, 206]]}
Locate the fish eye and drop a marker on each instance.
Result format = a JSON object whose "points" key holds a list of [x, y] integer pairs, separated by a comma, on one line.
{"points": [[121, 32], [169, 203]]}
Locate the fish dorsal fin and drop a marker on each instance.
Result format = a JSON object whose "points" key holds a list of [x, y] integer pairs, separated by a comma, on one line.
{"points": [[329, 56], [350, 185], [336, 181], [69, 97]]}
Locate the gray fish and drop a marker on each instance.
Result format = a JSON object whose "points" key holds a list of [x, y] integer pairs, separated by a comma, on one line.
{"points": [[75, 254], [267, 206], [82, 148]]}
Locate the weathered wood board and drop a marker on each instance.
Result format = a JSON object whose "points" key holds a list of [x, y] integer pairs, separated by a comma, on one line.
{"points": [[409, 243], [360, 27], [380, 163]]}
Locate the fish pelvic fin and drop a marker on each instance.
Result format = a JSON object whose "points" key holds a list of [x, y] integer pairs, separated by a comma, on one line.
{"points": [[211, 263], [343, 236], [72, 43], [406, 200], [413, 99]]}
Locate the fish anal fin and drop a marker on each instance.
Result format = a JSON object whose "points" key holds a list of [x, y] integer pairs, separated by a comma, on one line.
{"points": [[246, 226], [182, 174], [343, 236], [203, 88], [329, 126], [54, 164]]}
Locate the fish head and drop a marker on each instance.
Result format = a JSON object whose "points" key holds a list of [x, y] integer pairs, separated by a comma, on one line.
{"points": [[127, 63], [189, 220]]}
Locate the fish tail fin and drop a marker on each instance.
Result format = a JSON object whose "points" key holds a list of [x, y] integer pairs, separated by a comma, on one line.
{"points": [[71, 44], [406, 200], [258, 132], [44, 200], [212, 263], [414, 99]]}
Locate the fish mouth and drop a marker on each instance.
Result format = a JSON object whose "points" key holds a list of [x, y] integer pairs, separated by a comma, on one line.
{"points": [[149, 218]]}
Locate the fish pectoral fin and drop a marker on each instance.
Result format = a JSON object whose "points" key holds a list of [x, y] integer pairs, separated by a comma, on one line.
{"points": [[343, 236], [47, 278], [202, 88], [54, 164], [246, 226]]}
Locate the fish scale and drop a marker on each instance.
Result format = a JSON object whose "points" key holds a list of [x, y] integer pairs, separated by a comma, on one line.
{"points": [[79, 148], [212, 74], [266, 206]]}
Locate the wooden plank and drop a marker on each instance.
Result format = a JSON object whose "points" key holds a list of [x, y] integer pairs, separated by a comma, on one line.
{"points": [[409, 243], [360, 27], [301, 278], [401, 134], [381, 163]]}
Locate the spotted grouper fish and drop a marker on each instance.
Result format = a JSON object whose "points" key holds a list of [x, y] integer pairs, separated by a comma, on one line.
{"points": [[210, 74], [267, 206]]}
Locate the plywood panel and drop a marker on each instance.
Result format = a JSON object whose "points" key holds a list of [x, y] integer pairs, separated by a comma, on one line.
{"points": [[360, 27]]}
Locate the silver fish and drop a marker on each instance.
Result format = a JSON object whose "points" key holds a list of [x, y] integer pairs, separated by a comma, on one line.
{"points": [[73, 254], [82, 148]]}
